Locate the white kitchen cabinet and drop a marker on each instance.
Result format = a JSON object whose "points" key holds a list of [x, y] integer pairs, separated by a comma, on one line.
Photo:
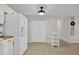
{"points": [[1, 18], [6, 46], [1, 48]]}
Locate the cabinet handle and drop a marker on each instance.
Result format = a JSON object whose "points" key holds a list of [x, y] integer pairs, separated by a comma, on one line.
{"points": [[13, 43]]}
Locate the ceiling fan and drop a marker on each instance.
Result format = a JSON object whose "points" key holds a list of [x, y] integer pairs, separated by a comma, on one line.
{"points": [[41, 11]]}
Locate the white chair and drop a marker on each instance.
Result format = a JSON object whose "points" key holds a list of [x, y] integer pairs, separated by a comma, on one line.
{"points": [[54, 39]]}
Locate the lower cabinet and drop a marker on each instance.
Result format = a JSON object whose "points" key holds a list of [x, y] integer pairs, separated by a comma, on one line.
{"points": [[1, 48], [7, 47]]}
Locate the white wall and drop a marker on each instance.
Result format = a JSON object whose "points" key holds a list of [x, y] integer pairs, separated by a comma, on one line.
{"points": [[75, 37], [65, 29]]}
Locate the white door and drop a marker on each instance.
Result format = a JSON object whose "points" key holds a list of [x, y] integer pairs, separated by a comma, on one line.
{"points": [[38, 31]]}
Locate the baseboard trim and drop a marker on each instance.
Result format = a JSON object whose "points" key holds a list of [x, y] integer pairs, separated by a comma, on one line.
{"points": [[70, 41]]}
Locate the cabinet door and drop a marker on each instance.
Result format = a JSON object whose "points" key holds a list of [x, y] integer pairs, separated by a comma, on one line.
{"points": [[5, 47], [10, 46], [1, 18], [1, 48]]}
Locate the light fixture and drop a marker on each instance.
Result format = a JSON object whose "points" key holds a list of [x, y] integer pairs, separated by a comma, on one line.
{"points": [[41, 12]]}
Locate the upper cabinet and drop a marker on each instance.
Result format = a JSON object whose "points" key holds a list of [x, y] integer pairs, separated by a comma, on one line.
{"points": [[5, 8], [1, 18]]}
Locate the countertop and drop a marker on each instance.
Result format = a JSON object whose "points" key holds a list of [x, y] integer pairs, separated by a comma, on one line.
{"points": [[5, 37]]}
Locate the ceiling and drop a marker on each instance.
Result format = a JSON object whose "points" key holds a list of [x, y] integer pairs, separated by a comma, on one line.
{"points": [[50, 9]]}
